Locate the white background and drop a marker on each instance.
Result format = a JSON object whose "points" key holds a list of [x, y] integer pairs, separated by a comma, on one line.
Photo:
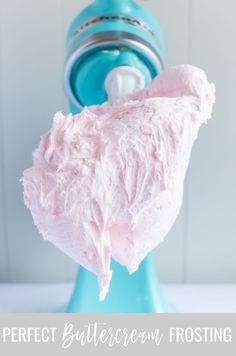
{"points": [[202, 245]]}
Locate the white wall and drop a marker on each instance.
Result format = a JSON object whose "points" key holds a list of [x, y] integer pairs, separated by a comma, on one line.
{"points": [[202, 245]]}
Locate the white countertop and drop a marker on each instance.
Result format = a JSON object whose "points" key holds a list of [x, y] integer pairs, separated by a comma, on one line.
{"points": [[44, 298]]}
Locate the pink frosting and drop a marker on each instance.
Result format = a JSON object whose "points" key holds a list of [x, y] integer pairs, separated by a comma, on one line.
{"points": [[108, 182]]}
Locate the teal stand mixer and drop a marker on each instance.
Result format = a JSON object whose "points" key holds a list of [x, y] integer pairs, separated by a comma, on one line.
{"points": [[114, 47]]}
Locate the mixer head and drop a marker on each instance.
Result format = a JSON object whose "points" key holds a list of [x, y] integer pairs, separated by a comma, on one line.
{"points": [[114, 47]]}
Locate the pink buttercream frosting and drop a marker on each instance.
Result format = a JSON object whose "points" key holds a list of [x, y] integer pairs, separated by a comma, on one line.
{"points": [[108, 182]]}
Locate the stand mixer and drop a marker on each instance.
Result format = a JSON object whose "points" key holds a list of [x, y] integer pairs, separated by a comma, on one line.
{"points": [[114, 47]]}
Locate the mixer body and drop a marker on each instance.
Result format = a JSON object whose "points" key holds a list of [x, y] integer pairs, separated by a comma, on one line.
{"points": [[136, 293], [106, 36]]}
